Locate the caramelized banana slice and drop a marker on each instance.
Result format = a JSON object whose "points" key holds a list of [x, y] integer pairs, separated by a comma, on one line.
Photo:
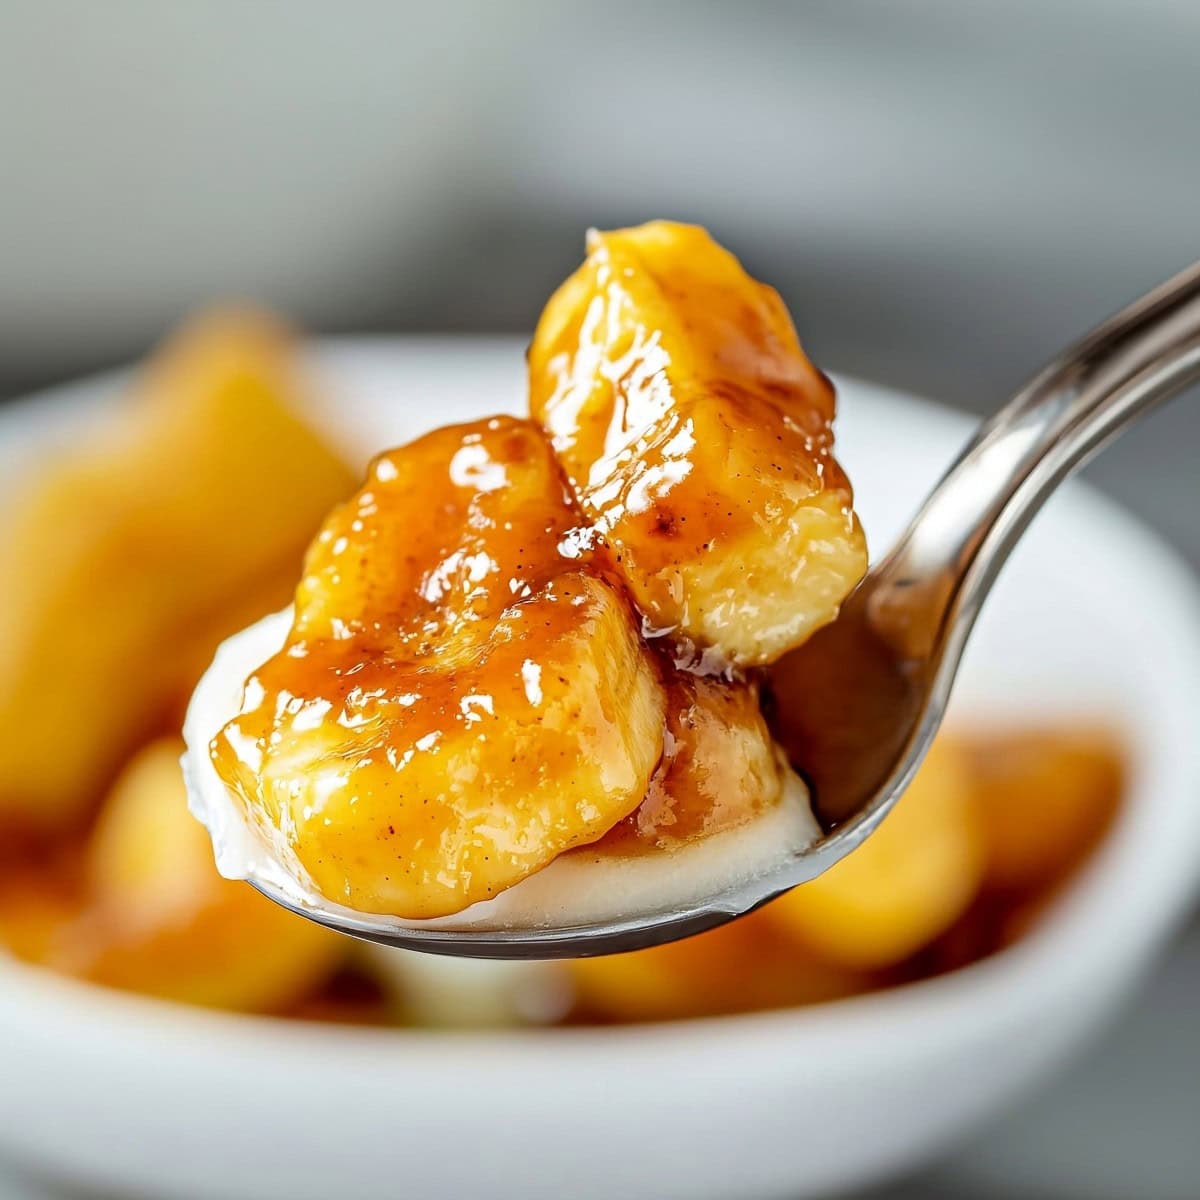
{"points": [[719, 770], [721, 807], [907, 883], [128, 561], [748, 965], [160, 920], [1046, 798], [463, 695], [697, 436]]}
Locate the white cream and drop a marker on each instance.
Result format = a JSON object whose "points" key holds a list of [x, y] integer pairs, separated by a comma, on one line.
{"points": [[577, 888]]}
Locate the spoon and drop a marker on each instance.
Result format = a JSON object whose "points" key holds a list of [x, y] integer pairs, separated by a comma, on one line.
{"points": [[857, 706]]}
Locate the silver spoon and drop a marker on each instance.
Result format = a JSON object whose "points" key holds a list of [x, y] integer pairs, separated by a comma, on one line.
{"points": [[887, 665]]}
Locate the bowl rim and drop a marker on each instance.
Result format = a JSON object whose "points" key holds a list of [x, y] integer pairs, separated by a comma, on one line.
{"points": [[1097, 901]]}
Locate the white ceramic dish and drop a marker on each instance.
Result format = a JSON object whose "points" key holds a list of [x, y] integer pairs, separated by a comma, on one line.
{"points": [[1093, 617]]}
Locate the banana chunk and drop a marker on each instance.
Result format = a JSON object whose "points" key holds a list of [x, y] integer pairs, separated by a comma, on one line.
{"points": [[747, 965], [160, 920], [128, 560], [464, 695], [719, 770], [907, 883], [1045, 798], [698, 439]]}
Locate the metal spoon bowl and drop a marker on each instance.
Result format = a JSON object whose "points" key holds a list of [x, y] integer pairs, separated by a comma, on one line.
{"points": [[885, 668]]}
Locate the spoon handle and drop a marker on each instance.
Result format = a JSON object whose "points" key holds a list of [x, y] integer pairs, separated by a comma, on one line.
{"points": [[924, 596]]}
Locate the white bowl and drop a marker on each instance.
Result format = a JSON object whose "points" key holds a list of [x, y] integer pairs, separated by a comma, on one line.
{"points": [[1092, 618]]}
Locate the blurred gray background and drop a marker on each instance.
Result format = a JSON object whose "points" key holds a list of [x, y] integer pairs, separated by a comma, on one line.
{"points": [[945, 193]]}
